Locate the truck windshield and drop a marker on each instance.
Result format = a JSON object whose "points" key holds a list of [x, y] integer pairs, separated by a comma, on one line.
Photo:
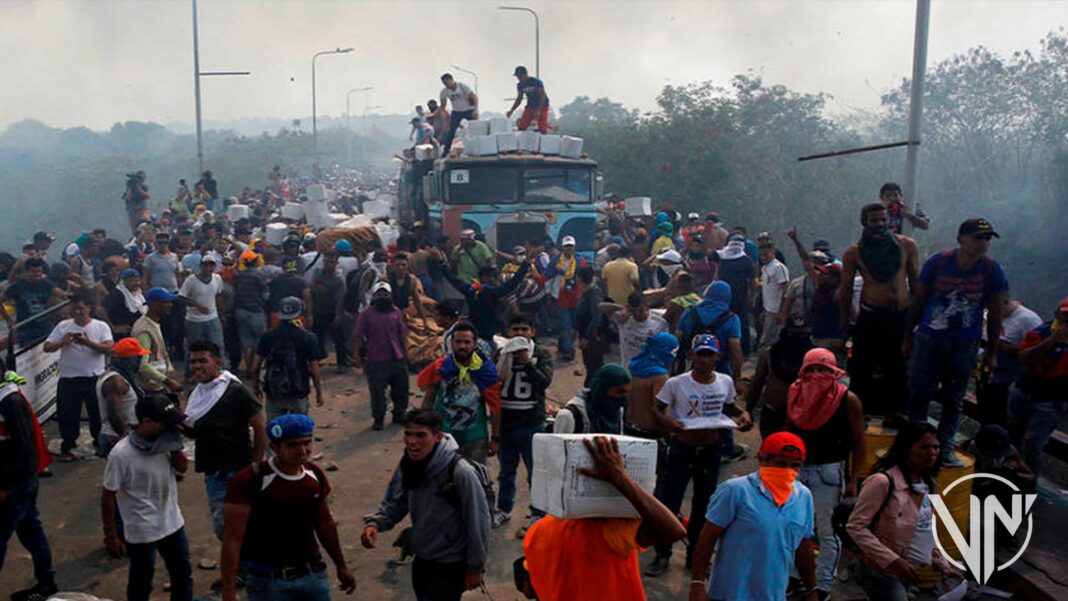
{"points": [[482, 186], [557, 185]]}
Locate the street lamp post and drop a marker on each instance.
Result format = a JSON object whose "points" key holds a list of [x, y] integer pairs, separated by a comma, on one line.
{"points": [[197, 74], [537, 36], [315, 129], [469, 72], [366, 110], [348, 116]]}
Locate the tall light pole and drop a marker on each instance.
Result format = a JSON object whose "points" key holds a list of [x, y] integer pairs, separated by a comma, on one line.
{"points": [[537, 36], [919, 69], [315, 128], [197, 74], [469, 72], [348, 116], [366, 109]]}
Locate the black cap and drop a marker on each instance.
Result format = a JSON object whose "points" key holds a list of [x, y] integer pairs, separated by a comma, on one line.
{"points": [[160, 407], [520, 70], [42, 235], [976, 225]]}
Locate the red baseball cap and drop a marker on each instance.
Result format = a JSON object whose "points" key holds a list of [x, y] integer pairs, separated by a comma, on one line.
{"points": [[784, 444], [129, 347], [1063, 305]]}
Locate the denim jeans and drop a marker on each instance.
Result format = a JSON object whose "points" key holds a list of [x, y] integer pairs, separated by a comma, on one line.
{"points": [[393, 374], [250, 326], [323, 327], [19, 517], [71, 395], [1031, 423], [881, 587], [517, 442], [215, 484], [314, 586], [933, 362], [683, 464], [566, 344], [276, 407], [174, 550], [825, 482], [454, 123]]}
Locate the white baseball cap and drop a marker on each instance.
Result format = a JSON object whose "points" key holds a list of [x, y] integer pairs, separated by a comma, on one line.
{"points": [[381, 286], [568, 241]]}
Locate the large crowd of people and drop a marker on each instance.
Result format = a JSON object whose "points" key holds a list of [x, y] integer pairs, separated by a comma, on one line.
{"points": [[197, 327]]}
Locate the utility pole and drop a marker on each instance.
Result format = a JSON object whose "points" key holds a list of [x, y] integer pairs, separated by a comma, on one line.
{"points": [[315, 127], [469, 72], [537, 36], [919, 70], [197, 74], [348, 117]]}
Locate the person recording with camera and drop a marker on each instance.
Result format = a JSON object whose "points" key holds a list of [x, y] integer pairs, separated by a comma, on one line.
{"points": [[136, 198]]}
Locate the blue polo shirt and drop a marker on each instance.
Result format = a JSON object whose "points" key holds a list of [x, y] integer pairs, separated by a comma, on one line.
{"points": [[530, 89], [756, 549]]}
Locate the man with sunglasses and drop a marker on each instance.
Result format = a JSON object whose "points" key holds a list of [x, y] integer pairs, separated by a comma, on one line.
{"points": [[953, 290]]}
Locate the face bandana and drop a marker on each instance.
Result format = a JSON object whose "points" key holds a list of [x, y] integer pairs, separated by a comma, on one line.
{"points": [[779, 482]]}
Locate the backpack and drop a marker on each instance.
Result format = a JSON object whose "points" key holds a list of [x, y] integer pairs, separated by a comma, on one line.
{"points": [[448, 488], [844, 509], [580, 417], [698, 328], [282, 377], [352, 300]]}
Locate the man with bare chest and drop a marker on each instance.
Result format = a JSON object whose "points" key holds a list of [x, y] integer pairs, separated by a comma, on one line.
{"points": [[887, 263]]}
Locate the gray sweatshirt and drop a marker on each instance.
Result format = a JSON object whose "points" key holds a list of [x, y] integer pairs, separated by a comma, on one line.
{"points": [[440, 532]]}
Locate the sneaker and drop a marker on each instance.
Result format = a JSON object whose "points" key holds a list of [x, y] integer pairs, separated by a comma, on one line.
{"points": [[66, 457], [217, 585], [949, 458], [39, 592], [741, 450], [522, 532], [500, 518], [658, 567], [377, 425]]}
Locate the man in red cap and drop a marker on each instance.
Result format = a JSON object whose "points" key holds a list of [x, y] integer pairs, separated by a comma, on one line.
{"points": [[118, 391], [1037, 399], [763, 522]]}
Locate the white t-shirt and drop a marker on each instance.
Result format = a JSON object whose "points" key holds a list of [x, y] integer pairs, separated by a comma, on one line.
{"points": [[774, 276], [147, 492], [633, 334], [1015, 326], [197, 291], [698, 406], [77, 360], [922, 543], [459, 99]]}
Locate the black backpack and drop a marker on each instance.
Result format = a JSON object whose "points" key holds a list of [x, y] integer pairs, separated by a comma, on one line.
{"points": [[282, 377], [844, 509], [696, 327]]}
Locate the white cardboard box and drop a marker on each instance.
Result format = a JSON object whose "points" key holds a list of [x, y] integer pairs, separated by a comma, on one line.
{"points": [[236, 212], [317, 193], [529, 141], [507, 142], [487, 145], [276, 232], [476, 127], [559, 489], [549, 144], [500, 125], [424, 152], [639, 205], [571, 147], [293, 211]]}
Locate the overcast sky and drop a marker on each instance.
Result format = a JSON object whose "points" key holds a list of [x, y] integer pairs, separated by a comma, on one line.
{"points": [[93, 63]]}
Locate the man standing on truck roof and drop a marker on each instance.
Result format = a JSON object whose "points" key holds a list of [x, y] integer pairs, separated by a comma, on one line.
{"points": [[464, 106], [537, 102]]}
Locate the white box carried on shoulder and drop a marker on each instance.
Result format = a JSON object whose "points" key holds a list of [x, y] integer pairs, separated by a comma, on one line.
{"points": [[639, 205], [559, 489], [276, 232], [317, 193], [571, 147], [500, 125], [507, 142], [476, 127], [293, 211], [549, 144], [529, 141], [236, 212]]}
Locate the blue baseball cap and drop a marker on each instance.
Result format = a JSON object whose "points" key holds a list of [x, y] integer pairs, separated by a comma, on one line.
{"points": [[290, 425], [159, 295], [343, 246], [129, 273], [705, 342]]}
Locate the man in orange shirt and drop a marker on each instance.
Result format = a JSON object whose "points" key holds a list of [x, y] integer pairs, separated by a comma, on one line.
{"points": [[554, 546]]}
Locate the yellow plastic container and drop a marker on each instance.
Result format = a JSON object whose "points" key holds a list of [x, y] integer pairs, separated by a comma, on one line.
{"points": [[878, 439], [957, 501]]}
